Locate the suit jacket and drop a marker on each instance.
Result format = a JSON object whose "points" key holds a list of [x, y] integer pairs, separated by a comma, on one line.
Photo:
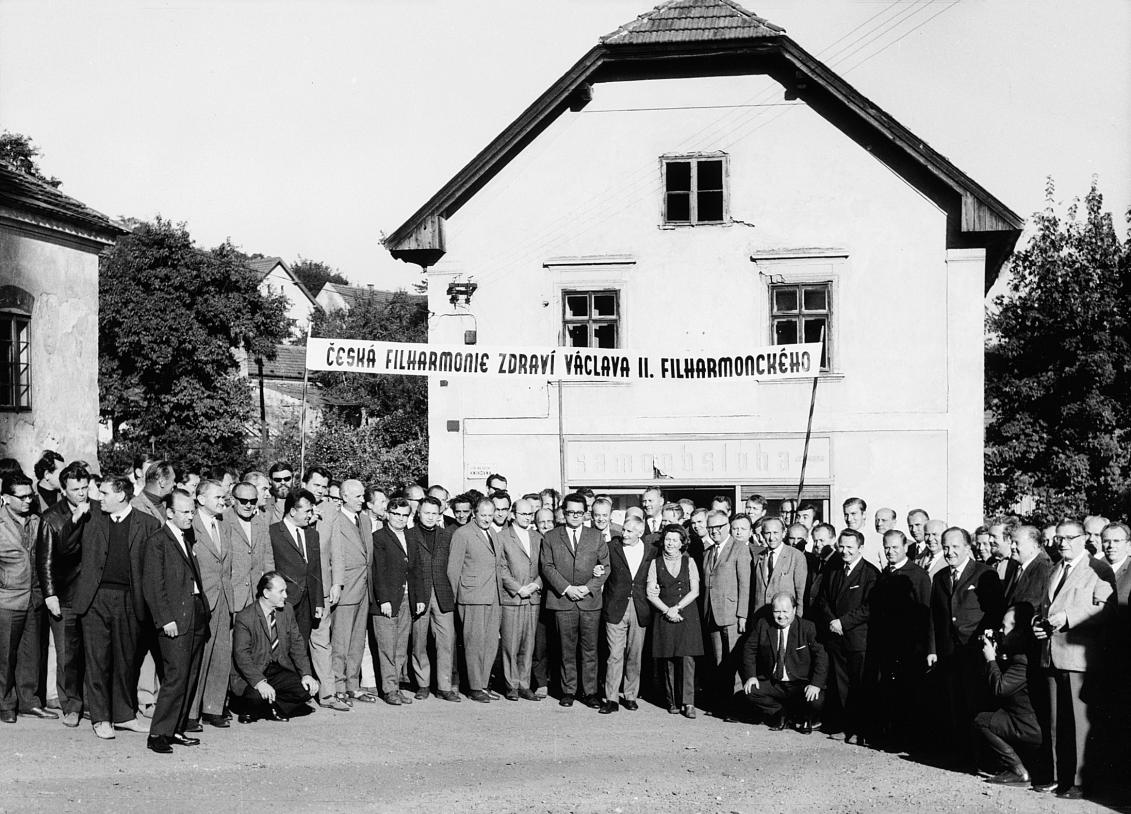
{"points": [[473, 566], [959, 613], [847, 598], [1008, 680], [146, 506], [251, 559], [17, 561], [725, 583], [791, 574], [804, 658], [517, 568], [351, 555], [562, 567], [251, 646], [1088, 597], [1028, 585], [168, 577], [622, 587], [391, 574], [58, 552], [215, 569], [1123, 584], [431, 567], [303, 576], [615, 530], [95, 549], [899, 623], [326, 513]]}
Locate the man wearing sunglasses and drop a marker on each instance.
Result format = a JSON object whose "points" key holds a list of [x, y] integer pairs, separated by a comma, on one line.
{"points": [[473, 571], [282, 477], [249, 533]]}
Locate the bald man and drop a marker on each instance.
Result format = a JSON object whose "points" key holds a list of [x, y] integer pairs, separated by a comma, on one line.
{"points": [[931, 558], [351, 554]]}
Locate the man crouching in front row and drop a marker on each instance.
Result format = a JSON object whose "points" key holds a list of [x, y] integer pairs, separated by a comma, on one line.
{"points": [[271, 673], [785, 667]]}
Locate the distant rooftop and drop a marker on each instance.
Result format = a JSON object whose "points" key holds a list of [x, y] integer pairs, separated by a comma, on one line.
{"points": [[263, 265], [350, 294], [692, 21], [25, 192]]}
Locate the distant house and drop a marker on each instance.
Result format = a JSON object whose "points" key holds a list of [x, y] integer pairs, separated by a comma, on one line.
{"points": [[49, 247], [276, 278], [277, 387], [338, 297]]}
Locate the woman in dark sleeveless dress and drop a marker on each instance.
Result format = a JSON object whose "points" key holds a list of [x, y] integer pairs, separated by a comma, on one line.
{"points": [[677, 637]]}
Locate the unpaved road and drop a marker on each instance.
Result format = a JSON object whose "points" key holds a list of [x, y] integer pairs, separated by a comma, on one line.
{"points": [[503, 757]]}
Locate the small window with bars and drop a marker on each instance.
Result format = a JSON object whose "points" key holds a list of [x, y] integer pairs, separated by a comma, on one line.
{"points": [[591, 319], [695, 190], [15, 362], [800, 314]]}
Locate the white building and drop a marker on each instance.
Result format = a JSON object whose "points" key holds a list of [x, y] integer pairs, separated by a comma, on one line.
{"points": [[276, 278], [699, 180]]}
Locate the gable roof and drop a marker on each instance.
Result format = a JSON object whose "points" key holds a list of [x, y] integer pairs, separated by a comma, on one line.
{"points": [[263, 266], [697, 38], [289, 363], [350, 294], [29, 194]]}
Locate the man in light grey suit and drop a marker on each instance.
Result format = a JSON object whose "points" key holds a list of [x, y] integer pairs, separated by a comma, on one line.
{"points": [[351, 554], [521, 598], [473, 571], [778, 569], [248, 530], [726, 600], [213, 552]]}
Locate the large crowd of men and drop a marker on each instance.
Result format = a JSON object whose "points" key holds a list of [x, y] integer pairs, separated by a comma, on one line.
{"points": [[175, 600]]}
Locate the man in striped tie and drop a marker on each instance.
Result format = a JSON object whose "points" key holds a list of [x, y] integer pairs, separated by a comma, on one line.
{"points": [[272, 677]]}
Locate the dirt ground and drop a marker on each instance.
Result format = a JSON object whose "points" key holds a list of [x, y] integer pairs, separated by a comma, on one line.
{"points": [[436, 756]]}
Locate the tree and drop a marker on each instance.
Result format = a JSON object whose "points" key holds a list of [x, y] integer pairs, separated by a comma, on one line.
{"points": [[172, 319], [314, 274], [19, 151], [1058, 358]]}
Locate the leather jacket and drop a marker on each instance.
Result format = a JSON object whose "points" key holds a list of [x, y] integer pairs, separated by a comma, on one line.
{"points": [[58, 551]]}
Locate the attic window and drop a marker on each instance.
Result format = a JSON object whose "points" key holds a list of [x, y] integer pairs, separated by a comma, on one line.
{"points": [[695, 189]]}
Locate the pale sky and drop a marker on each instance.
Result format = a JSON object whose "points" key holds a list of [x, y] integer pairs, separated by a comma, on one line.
{"points": [[309, 128]]}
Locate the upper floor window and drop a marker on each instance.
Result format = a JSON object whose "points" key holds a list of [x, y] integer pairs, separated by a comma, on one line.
{"points": [[800, 313], [15, 362], [695, 189], [591, 319]]}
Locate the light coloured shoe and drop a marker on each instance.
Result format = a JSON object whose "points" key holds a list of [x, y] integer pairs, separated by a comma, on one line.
{"points": [[104, 730], [134, 725], [147, 710], [71, 719], [540, 692]]}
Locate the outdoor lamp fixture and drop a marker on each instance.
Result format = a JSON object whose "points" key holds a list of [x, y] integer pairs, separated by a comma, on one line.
{"points": [[461, 291]]}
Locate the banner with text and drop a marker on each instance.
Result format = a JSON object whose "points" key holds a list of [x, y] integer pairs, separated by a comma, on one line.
{"points": [[571, 364]]}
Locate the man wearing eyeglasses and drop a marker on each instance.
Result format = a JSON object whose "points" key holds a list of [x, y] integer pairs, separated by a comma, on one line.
{"points": [[249, 532], [1072, 623], [21, 603], [521, 598], [725, 601], [351, 553], [395, 598], [473, 571]]}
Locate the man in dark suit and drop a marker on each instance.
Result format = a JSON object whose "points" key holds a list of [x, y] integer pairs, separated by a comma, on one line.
{"points": [[177, 605], [785, 667], [843, 606], [965, 602], [271, 673], [298, 559], [521, 597], [395, 597], [1029, 580], [58, 558], [570, 554], [473, 571], [897, 641], [429, 562], [110, 602], [601, 513], [627, 614]]}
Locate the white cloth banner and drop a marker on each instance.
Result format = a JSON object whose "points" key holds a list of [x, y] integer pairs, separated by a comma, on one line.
{"points": [[585, 364]]}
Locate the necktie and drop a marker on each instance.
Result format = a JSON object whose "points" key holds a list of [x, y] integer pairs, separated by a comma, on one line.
{"points": [[272, 632], [770, 565], [781, 653], [301, 543], [214, 533], [573, 542], [953, 578], [1063, 577]]}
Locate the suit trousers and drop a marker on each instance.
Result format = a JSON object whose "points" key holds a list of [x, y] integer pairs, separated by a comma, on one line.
{"points": [[290, 695], [725, 660], [772, 697], [625, 640], [480, 642], [578, 627], [32, 657], [150, 669], [849, 687], [66, 632], [443, 628], [543, 645], [17, 682], [347, 644], [304, 616], [181, 657], [215, 664], [392, 646], [1069, 725], [963, 686], [679, 680], [998, 731], [519, 628], [321, 654], [110, 634]]}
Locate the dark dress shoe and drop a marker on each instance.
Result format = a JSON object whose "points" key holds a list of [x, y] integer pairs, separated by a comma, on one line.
{"points": [[591, 701], [364, 697], [40, 712], [1071, 793], [1046, 788], [688, 711], [608, 708], [777, 724], [631, 706], [449, 695], [193, 725], [527, 695], [566, 701], [421, 694], [344, 698], [276, 715], [805, 728], [480, 696], [673, 710], [245, 718], [181, 739], [512, 695], [494, 696], [218, 721], [1008, 778], [393, 699], [8, 716], [158, 744]]}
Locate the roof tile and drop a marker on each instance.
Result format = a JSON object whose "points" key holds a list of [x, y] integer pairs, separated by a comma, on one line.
{"points": [[692, 21], [24, 191]]}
